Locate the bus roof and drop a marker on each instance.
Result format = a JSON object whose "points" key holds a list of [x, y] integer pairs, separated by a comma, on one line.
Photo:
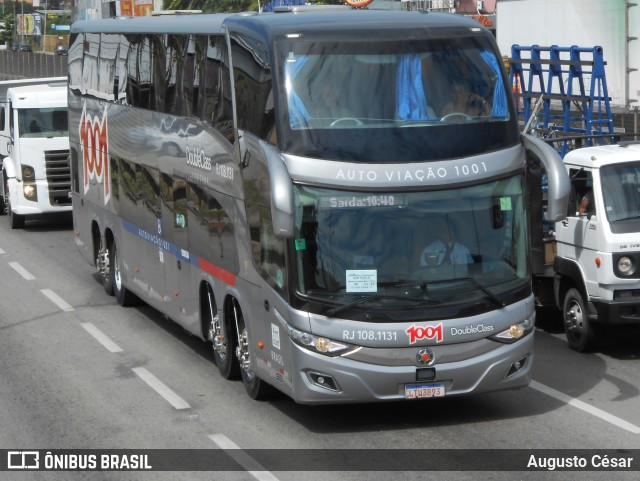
{"points": [[278, 23]]}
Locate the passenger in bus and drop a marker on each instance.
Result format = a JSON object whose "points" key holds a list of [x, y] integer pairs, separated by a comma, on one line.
{"points": [[466, 102], [445, 249], [330, 103]]}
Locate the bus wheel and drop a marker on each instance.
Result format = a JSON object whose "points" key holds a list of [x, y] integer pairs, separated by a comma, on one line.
{"points": [[256, 388], [222, 345], [580, 332], [103, 265], [123, 295]]}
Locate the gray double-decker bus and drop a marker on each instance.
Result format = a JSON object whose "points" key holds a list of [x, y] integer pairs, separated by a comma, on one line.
{"points": [[336, 200]]}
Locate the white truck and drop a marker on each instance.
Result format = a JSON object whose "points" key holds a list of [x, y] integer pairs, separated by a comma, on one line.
{"points": [[593, 256], [34, 148]]}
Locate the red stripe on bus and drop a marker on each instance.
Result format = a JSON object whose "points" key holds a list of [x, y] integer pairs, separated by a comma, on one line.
{"points": [[217, 272]]}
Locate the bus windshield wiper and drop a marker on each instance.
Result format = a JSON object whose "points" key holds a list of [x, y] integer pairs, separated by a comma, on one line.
{"points": [[499, 302], [360, 300]]}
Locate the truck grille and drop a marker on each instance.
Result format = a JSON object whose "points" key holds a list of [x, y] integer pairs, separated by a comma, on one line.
{"points": [[58, 170]]}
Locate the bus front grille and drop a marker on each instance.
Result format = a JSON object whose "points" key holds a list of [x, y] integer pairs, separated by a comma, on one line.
{"points": [[58, 170]]}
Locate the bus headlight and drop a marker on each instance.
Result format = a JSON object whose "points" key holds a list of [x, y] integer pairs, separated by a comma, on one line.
{"points": [[515, 332], [626, 266], [319, 344]]}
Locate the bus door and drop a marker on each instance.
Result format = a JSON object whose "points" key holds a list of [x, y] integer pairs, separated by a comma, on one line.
{"points": [[177, 261]]}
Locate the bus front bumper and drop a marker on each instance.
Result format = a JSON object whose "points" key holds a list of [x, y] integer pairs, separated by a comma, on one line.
{"points": [[342, 380]]}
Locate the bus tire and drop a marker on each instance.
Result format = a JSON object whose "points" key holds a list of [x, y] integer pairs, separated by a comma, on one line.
{"points": [[580, 332], [123, 295], [223, 345], [106, 278], [256, 388]]}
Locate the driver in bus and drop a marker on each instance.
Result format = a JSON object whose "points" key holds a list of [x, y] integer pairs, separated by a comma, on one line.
{"points": [[445, 249]]}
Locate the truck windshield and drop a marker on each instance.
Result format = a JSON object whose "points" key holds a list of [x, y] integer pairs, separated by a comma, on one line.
{"points": [[463, 246], [621, 191], [393, 101], [43, 123]]}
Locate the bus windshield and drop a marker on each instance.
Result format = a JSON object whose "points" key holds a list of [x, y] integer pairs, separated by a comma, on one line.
{"points": [[447, 247], [362, 100]]}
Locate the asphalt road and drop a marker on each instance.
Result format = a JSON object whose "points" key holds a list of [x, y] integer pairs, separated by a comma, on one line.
{"points": [[79, 371]]}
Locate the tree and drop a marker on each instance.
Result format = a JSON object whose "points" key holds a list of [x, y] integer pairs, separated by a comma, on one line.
{"points": [[9, 28], [212, 6]]}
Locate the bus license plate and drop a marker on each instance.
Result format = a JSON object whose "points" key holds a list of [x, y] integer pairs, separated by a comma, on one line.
{"points": [[419, 391]]}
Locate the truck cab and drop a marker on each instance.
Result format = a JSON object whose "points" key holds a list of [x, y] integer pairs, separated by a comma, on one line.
{"points": [[34, 149], [597, 265]]}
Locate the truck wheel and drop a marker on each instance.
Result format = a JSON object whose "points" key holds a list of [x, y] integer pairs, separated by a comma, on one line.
{"points": [[256, 388], [580, 332], [16, 221], [3, 207]]}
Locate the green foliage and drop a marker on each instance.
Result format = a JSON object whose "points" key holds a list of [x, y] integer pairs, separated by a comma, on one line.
{"points": [[226, 6], [211, 6], [9, 27]]}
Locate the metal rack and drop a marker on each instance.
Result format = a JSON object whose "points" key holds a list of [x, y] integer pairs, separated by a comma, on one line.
{"points": [[555, 78]]}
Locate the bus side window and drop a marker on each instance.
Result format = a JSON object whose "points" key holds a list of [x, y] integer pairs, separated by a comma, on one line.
{"points": [[268, 250], [254, 99]]}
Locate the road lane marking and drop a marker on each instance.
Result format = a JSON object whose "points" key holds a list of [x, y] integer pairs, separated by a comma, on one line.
{"points": [[243, 459], [102, 338], [610, 418], [22, 271], [57, 300], [1, 251], [161, 388]]}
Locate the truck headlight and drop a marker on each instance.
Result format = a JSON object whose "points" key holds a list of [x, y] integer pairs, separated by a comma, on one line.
{"points": [[626, 266], [30, 192], [28, 173]]}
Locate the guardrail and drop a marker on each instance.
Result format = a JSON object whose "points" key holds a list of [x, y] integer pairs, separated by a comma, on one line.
{"points": [[17, 65]]}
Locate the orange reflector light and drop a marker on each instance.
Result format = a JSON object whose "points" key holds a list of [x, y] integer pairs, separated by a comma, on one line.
{"points": [[598, 261]]}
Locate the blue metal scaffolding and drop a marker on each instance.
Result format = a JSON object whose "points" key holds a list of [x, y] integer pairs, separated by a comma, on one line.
{"points": [[556, 77], [270, 6]]}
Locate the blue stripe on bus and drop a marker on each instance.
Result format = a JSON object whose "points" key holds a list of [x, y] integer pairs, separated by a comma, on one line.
{"points": [[184, 255]]}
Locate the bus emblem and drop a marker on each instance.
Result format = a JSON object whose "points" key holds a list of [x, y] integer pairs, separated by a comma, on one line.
{"points": [[425, 357], [416, 333], [95, 151]]}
